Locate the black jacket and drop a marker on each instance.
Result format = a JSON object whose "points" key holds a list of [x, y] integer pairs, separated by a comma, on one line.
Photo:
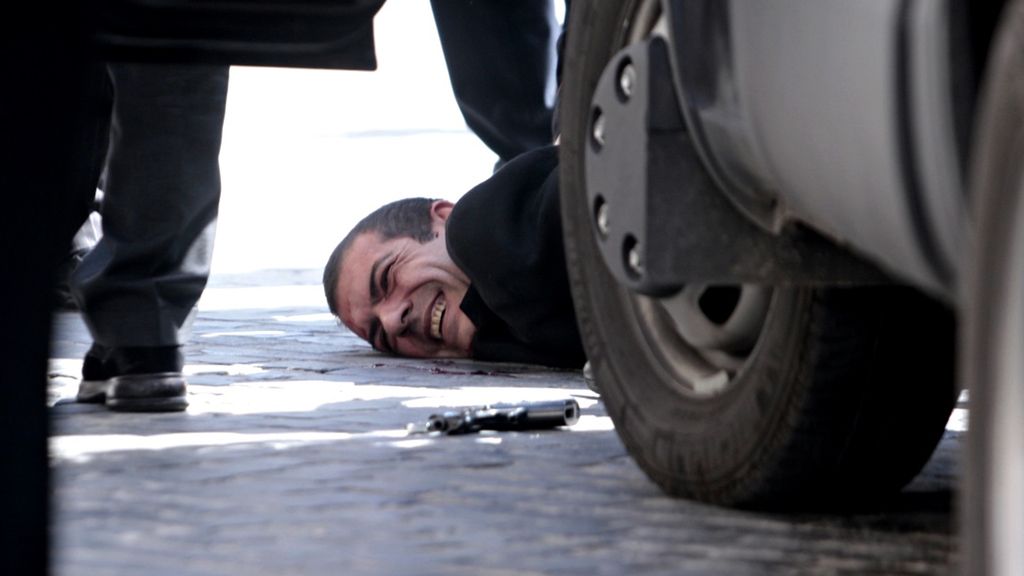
{"points": [[506, 235]]}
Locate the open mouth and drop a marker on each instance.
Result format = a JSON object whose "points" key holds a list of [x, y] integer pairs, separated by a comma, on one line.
{"points": [[437, 317]]}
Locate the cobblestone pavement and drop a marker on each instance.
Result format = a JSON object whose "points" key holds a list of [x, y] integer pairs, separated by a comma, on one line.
{"points": [[293, 459]]}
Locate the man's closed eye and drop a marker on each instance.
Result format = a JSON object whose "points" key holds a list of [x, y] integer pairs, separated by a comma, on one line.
{"points": [[385, 280]]}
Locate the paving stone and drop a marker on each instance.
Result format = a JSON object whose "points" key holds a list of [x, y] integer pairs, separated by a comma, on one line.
{"points": [[294, 459]]}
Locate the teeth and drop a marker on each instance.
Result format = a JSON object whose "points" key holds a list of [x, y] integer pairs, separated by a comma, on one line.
{"points": [[435, 319]]}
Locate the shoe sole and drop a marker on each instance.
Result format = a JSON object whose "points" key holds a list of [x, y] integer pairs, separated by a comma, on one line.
{"points": [[172, 404]]}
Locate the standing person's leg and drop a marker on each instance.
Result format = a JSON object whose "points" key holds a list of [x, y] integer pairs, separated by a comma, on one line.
{"points": [[500, 59], [138, 286]]}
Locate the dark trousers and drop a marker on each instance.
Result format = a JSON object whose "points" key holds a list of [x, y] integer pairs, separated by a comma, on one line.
{"points": [[500, 58], [161, 182]]}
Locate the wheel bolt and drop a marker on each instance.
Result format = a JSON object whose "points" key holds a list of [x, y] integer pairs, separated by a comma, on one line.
{"points": [[602, 218], [627, 79], [634, 259], [598, 130]]}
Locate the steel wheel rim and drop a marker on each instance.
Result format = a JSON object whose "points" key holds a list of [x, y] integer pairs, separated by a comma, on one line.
{"points": [[701, 352]]}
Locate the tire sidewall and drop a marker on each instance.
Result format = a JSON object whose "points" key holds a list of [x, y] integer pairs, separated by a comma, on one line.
{"points": [[803, 395], [724, 438]]}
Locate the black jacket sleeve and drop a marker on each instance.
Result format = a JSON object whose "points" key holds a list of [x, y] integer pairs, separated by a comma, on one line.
{"points": [[506, 235]]}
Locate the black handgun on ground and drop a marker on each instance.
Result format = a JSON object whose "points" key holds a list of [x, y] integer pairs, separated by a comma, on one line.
{"points": [[528, 416]]}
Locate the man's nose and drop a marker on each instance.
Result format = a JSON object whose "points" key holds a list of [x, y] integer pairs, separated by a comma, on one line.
{"points": [[394, 316]]}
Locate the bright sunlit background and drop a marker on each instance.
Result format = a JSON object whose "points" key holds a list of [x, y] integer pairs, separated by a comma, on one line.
{"points": [[307, 153]]}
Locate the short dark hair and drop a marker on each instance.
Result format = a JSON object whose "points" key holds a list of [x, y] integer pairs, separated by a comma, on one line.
{"points": [[408, 218]]}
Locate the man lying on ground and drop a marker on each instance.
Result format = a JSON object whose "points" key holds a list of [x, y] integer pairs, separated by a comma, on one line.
{"points": [[483, 278]]}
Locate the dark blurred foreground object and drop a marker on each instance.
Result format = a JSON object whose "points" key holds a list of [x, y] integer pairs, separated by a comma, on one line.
{"points": [[502, 417], [44, 60], [46, 163]]}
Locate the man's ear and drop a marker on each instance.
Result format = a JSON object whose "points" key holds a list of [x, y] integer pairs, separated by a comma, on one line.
{"points": [[439, 211]]}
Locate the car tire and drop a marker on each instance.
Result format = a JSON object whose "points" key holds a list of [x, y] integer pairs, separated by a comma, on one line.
{"points": [[841, 399], [993, 506]]}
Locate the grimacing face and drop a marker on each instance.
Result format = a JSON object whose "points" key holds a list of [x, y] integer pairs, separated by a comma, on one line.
{"points": [[403, 297]]}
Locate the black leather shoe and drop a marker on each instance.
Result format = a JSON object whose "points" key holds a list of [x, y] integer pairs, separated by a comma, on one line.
{"points": [[152, 392], [135, 379]]}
